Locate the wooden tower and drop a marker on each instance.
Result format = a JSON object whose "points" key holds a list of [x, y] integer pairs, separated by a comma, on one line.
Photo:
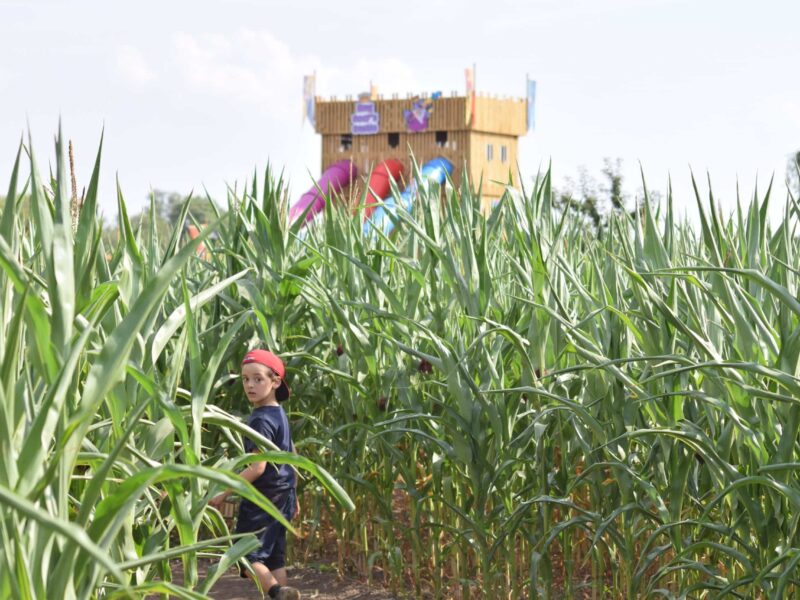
{"points": [[370, 130]]}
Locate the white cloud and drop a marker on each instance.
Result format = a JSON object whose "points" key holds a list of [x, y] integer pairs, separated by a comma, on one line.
{"points": [[255, 67], [131, 66]]}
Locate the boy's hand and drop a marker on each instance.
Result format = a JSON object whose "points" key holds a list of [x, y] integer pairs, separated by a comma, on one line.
{"points": [[218, 500]]}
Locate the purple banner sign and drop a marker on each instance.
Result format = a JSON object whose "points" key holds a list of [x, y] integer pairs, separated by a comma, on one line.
{"points": [[365, 120]]}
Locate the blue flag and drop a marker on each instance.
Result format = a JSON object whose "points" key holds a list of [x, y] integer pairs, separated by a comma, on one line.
{"points": [[309, 92], [531, 102]]}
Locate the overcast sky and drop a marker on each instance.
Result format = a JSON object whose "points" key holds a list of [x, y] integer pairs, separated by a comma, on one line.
{"points": [[200, 93]]}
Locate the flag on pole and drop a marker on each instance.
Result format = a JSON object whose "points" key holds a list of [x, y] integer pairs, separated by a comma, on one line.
{"points": [[469, 74], [309, 93], [531, 85], [373, 91]]}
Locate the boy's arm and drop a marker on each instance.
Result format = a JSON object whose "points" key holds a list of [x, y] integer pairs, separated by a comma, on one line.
{"points": [[251, 473], [255, 469]]}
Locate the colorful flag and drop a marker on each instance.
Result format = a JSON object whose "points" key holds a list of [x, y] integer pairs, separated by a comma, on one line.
{"points": [[531, 102], [469, 74], [309, 92], [373, 91]]}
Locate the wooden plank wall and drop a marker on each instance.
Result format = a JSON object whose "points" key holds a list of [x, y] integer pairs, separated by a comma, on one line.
{"points": [[506, 116], [462, 147], [495, 173], [498, 121], [333, 116], [369, 150]]}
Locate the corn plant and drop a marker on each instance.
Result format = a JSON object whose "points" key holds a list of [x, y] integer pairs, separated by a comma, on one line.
{"points": [[113, 363], [516, 406], [543, 408]]}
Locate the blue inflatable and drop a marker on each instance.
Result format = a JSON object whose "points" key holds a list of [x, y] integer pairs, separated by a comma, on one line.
{"points": [[381, 219]]}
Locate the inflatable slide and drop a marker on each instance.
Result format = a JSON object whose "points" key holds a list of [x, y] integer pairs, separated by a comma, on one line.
{"points": [[379, 184], [381, 219], [335, 178]]}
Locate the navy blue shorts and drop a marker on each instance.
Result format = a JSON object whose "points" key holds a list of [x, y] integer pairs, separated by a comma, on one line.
{"points": [[272, 553]]}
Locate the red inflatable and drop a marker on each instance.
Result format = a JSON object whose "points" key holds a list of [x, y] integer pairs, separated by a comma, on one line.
{"points": [[379, 186]]}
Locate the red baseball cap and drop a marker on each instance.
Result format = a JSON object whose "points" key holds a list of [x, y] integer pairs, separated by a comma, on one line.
{"points": [[268, 359]]}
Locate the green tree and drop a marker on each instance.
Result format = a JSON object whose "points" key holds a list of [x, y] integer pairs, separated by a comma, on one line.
{"points": [[595, 201], [613, 173], [170, 204]]}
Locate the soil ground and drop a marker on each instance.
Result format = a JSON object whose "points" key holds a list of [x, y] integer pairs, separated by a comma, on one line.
{"points": [[314, 584]]}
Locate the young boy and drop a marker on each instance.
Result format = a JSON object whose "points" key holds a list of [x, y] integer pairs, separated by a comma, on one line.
{"points": [[263, 378]]}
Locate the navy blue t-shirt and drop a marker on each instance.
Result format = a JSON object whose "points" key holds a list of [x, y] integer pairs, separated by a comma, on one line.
{"points": [[271, 422]]}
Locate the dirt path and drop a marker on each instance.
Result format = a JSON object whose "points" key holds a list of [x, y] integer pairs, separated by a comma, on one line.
{"points": [[312, 583]]}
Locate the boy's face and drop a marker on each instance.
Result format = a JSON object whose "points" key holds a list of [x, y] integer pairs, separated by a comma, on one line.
{"points": [[259, 383]]}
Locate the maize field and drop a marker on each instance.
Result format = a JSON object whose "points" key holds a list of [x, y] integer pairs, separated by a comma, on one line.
{"points": [[484, 406]]}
